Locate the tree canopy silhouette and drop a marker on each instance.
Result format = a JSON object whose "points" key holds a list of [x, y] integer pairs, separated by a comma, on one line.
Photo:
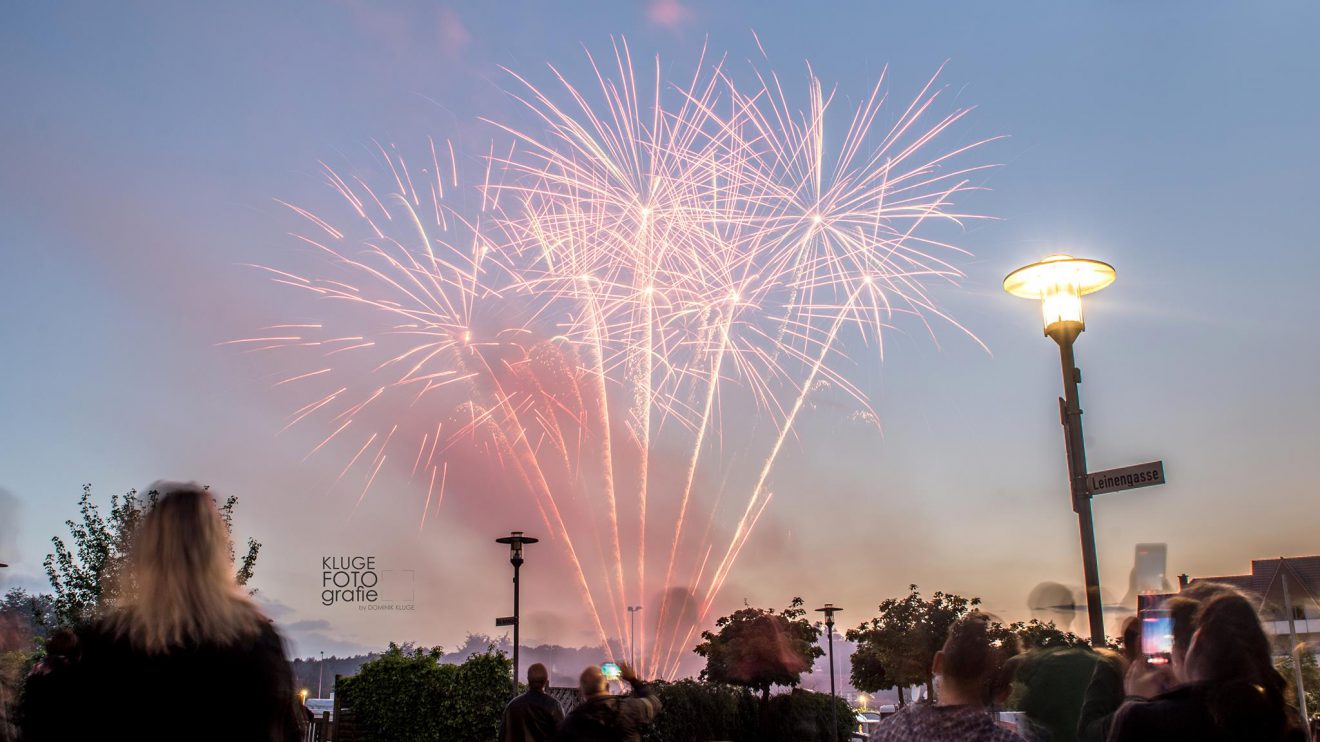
{"points": [[86, 576], [758, 648]]}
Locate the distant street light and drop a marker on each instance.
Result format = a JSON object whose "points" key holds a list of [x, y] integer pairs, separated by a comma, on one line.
{"points": [[320, 678], [632, 631], [1059, 282], [516, 540], [829, 610]]}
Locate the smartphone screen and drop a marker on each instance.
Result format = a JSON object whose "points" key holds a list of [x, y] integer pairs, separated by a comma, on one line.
{"points": [[1157, 636], [610, 670]]}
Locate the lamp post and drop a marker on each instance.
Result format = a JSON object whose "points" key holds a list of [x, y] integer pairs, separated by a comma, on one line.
{"points": [[516, 540], [632, 631], [829, 610], [1059, 282], [320, 678]]}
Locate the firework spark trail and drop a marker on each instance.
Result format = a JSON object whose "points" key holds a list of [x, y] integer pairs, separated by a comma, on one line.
{"points": [[711, 386], [752, 513], [530, 464], [661, 255], [639, 188], [810, 141]]}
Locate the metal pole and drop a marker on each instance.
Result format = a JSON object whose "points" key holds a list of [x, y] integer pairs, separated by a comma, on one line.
{"points": [[1071, 413], [632, 633], [829, 610], [1296, 655], [834, 699], [516, 621], [320, 678], [516, 541]]}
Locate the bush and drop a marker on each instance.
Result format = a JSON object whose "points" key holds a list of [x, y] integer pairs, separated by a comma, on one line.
{"points": [[699, 712], [408, 696], [476, 699], [704, 712], [804, 716], [411, 697]]}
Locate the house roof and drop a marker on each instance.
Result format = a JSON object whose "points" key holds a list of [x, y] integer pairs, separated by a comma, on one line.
{"points": [[1265, 583]]}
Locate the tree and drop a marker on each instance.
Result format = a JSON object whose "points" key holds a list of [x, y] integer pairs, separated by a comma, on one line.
{"points": [[868, 670], [896, 649], [757, 648], [1036, 635], [87, 577], [1310, 679], [24, 621], [29, 614]]}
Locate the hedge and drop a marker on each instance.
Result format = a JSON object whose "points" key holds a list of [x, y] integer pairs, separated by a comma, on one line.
{"points": [[705, 712], [403, 697], [411, 697]]}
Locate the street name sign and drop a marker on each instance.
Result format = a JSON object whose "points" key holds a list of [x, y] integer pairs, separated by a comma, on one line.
{"points": [[1126, 478], [505, 621]]}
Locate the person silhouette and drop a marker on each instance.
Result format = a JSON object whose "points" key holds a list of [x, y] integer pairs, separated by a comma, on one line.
{"points": [[603, 717], [182, 633], [533, 716]]}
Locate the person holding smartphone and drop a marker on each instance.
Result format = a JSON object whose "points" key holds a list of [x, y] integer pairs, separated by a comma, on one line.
{"points": [[603, 716], [1226, 686], [1164, 636]]}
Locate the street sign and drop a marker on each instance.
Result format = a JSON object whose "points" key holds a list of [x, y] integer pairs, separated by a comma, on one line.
{"points": [[1126, 478], [505, 621]]}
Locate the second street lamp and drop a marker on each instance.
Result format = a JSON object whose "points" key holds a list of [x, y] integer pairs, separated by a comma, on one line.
{"points": [[516, 540], [632, 633], [1059, 282], [829, 610]]}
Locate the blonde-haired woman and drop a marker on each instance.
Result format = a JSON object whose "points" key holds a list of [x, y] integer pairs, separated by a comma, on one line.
{"points": [[185, 654]]}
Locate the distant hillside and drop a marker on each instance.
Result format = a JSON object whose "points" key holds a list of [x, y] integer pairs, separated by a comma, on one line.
{"points": [[564, 663]]}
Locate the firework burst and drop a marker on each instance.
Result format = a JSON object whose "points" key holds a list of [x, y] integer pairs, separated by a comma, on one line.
{"points": [[644, 263]]}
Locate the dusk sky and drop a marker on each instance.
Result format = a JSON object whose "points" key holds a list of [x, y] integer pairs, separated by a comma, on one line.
{"points": [[145, 145]]}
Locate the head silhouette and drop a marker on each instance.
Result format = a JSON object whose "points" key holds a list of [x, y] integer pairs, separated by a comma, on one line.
{"points": [[178, 585], [1230, 656], [973, 662], [592, 682], [537, 677], [1183, 610]]}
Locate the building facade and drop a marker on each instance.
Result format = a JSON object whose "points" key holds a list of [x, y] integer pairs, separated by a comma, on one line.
{"points": [[1276, 585]]}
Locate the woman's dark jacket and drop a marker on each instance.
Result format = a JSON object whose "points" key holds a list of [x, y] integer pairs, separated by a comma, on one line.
{"points": [[198, 692]]}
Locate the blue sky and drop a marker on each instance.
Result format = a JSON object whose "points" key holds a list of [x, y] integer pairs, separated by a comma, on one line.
{"points": [[144, 145]]}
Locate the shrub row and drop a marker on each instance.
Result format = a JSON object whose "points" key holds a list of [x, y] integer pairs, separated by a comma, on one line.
{"points": [[411, 697], [706, 712], [404, 697]]}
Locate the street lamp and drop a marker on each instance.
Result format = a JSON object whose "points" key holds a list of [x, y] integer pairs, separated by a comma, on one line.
{"points": [[632, 630], [320, 677], [516, 540], [1059, 282], [829, 610]]}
